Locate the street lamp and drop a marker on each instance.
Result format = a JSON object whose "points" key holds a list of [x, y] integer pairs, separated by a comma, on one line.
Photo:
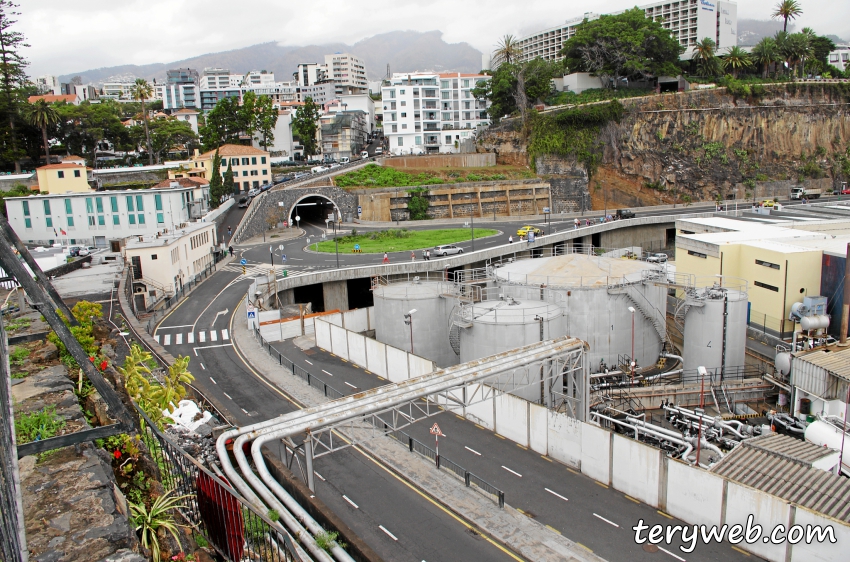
{"points": [[702, 372], [472, 228], [632, 310], [408, 319], [336, 243]]}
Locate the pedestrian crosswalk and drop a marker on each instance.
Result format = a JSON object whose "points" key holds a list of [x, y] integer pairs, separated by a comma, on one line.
{"points": [[262, 270], [190, 337]]}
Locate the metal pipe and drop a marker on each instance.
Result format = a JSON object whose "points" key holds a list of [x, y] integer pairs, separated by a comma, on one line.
{"points": [[713, 421], [845, 316]]}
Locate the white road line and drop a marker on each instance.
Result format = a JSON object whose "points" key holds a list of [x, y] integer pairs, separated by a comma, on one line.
{"points": [[671, 554], [244, 410], [351, 502], [349, 384], [392, 536], [511, 471], [178, 339], [210, 347], [202, 367], [190, 337], [606, 520], [307, 362], [226, 394], [167, 339], [224, 335], [473, 451], [556, 494], [213, 335], [169, 327], [325, 372], [322, 478], [213, 380], [156, 337], [202, 337]]}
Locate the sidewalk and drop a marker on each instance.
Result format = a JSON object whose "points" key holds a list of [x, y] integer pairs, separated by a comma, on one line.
{"points": [[280, 235], [507, 526]]}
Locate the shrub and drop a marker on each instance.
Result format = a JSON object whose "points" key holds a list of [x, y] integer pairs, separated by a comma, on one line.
{"points": [[159, 516]]}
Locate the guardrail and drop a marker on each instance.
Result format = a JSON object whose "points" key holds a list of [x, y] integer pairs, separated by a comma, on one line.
{"points": [[297, 371]]}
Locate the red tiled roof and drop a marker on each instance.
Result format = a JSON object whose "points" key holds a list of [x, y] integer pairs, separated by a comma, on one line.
{"points": [[235, 150], [184, 182], [184, 110], [60, 166], [52, 98]]}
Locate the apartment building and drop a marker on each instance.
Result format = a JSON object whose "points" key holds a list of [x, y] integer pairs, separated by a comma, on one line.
{"points": [[343, 134], [119, 90], [429, 112], [347, 72], [181, 89], [840, 57], [47, 84], [251, 166], [320, 93], [689, 21]]}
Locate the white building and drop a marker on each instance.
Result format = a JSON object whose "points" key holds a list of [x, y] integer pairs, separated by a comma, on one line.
{"points": [[429, 112], [47, 84], [283, 147], [360, 102], [321, 93], [96, 217], [188, 115], [689, 21], [121, 90], [840, 57], [347, 72]]}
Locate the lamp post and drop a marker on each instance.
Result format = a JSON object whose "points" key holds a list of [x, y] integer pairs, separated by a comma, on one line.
{"points": [[408, 319], [336, 243], [472, 228], [632, 365], [702, 372], [271, 256]]}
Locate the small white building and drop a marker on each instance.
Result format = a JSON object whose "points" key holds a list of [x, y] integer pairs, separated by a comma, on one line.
{"points": [[358, 102], [188, 115], [840, 57]]}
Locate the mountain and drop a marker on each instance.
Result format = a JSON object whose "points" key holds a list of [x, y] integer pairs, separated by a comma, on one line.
{"points": [[751, 32], [404, 51]]}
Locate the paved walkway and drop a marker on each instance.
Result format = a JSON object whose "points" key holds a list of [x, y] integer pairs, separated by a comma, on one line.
{"points": [[521, 534], [280, 235]]}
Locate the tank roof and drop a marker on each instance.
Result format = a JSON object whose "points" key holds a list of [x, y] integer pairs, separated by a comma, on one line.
{"points": [[411, 290], [510, 311], [573, 270]]}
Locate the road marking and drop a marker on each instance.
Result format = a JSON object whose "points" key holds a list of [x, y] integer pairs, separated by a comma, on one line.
{"points": [[392, 536], [202, 366], [663, 514], [349, 384], [740, 550], [601, 484], [573, 471], [213, 335], [169, 327], [178, 339], [522, 446], [473, 451], [213, 380], [556, 494], [226, 394], [380, 377], [202, 337], [460, 417], [327, 373], [584, 547], [351, 502], [545, 458], [662, 549], [307, 362], [322, 478], [190, 337], [628, 497], [244, 410], [225, 335], [167, 339], [478, 426], [551, 528], [606, 520], [497, 435], [344, 360], [511, 471], [156, 337]]}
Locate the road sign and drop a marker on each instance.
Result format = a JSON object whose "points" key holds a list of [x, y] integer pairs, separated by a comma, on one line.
{"points": [[357, 246], [359, 210], [545, 210], [435, 430], [252, 311], [280, 247], [283, 257], [243, 261]]}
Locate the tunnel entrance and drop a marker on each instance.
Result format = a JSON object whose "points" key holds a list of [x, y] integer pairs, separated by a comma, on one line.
{"points": [[315, 209]]}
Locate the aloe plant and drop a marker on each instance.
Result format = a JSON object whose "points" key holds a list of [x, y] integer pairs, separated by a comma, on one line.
{"points": [[159, 516]]}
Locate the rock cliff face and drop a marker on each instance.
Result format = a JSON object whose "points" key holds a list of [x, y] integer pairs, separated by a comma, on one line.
{"points": [[698, 144]]}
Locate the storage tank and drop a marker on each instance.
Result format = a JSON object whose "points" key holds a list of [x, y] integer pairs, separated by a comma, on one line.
{"points": [[595, 294], [494, 326], [430, 321], [710, 307], [824, 434]]}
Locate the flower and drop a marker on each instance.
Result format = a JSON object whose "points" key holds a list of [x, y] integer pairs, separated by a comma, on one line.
{"points": [[116, 454], [91, 359], [103, 365]]}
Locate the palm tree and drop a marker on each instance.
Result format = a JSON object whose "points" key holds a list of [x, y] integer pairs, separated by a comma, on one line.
{"points": [[736, 59], [766, 52], [507, 50], [795, 47], [42, 115], [705, 55], [142, 91], [787, 9]]}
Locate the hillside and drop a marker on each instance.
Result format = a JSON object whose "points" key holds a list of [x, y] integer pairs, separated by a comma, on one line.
{"points": [[402, 50]]}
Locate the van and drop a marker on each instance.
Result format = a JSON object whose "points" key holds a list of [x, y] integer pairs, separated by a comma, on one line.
{"points": [[344, 160], [318, 170], [364, 155]]}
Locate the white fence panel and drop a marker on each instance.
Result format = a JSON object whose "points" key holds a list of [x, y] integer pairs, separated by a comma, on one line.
{"points": [[564, 439], [323, 334], [767, 511], [596, 452], [538, 429], [396, 364], [821, 551], [357, 320], [339, 339], [512, 418], [335, 318], [376, 359], [693, 494], [420, 366], [480, 412], [357, 349], [289, 329], [636, 469]]}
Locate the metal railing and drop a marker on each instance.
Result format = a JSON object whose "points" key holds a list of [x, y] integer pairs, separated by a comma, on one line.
{"points": [[213, 509], [295, 370], [12, 536]]}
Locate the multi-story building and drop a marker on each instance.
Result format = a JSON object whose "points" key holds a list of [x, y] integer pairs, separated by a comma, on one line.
{"points": [[840, 57], [65, 177], [361, 102], [689, 21], [281, 93], [119, 90], [320, 93], [181, 89], [429, 112], [47, 84], [215, 85], [251, 166], [343, 134], [347, 72]]}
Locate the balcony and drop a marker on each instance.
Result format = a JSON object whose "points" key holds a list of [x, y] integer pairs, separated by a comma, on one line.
{"points": [[432, 142], [430, 117], [430, 94], [432, 127]]}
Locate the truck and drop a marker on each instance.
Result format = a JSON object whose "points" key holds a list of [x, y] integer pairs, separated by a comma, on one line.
{"points": [[624, 214], [802, 192]]}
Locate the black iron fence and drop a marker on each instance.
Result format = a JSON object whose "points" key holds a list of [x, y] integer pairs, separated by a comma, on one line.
{"points": [[297, 371], [154, 317], [12, 538], [213, 509]]}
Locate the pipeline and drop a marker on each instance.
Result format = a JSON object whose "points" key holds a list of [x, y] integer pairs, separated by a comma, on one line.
{"points": [[707, 421]]}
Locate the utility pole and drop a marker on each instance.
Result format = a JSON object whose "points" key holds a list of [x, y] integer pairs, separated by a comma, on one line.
{"points": [[845, 314]]}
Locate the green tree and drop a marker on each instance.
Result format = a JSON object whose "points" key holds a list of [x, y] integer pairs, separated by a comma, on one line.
{"points": [[229, 185], [787, 9], [143, 91], [705, 57], [224, 124], [166, 134], [82, 127], [627, 45], [516, 87], [794, 47], [12, 75], [821, 47], [216, 185], [305, 123], [736, 59], [42, 115], [765, 53], [265, 119], [507, 50]]}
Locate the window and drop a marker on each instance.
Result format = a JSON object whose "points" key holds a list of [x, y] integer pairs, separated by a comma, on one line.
{"points": [[448, 139], [391, 94], [153, 256], [245, 161], [160, 218], [49, 222], [444, 84], [234, 161], [76, 173], [113, 201], [26, 208], [403, 103], [265, 172], [244, 172], [767, 264], [404, 125], [262, 159], [46, 208], [157, 199], [697, 254], [116, 220], [99, 204], [401, 141], [418, 141], [28, 223], [446, 95], [130, 207], [70, 220], [401, 93], [139, 205], [68, 207], [253, 160], [395, 128], [60, 174], [403, 114], [131, 219], [766, 286], [101, 220], [89, 205]]}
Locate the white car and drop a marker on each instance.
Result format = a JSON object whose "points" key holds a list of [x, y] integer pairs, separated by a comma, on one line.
{"points": [[364, 155], [254, 192], [447, 250], [657, 258], [334, 166], [379, 150], [318, 170]]}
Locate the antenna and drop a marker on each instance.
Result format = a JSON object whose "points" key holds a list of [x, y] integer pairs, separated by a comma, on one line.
{"points": [[388, 71]]}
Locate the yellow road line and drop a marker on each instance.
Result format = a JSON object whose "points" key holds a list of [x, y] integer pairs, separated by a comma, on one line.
{"points": [[628, 497], [522, 447], [663, 514], [480, 427], [545, 458], [499, 436], [601, 484], [551, 528], [573, 471], [741, 550], [584, 547]]}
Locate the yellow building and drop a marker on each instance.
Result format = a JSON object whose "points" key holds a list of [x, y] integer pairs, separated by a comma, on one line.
{"points": [[251, 166], [67, 177]]}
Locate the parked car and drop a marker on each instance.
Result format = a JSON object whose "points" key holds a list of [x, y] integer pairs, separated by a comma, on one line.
{"points": [[447, 249], [244, 201], [318, 170], [83, 252], [74, 251], [768, 203], [379, 150], [344, 160], [265, 187], [299, 175], [624, 214], [364, 155], [657, 258], [524, 230], [254, 192]]}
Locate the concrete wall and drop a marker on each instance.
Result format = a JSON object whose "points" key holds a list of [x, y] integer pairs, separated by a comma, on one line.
{"points": [[335, 295], [442, 161]]}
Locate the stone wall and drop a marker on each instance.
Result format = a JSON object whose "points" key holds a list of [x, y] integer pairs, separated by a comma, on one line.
{"points": [[477, 160], [142, 177]]}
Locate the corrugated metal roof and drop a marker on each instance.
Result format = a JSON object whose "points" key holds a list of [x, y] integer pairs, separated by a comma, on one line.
{"points": [[771, 466], [834, 359], [788, 447]]}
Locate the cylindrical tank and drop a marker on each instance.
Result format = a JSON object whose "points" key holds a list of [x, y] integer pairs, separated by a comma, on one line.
{"points": [[704, 329], [824, 434], [783, 363], [595, 294], [430, 322], [815, 322]]}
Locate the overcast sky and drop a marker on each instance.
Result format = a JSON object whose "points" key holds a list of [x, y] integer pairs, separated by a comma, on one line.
{"points": [[68, 37]]}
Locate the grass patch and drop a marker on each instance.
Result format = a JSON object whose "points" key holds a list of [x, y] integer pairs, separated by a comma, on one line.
{"points": [[37, 426], [400, 240], [373, 175], [594, 95], [18, 355]]}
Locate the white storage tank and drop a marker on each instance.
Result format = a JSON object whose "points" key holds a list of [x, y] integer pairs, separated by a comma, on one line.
{"points": [[430, 321], [824, 434], [717, 316]]}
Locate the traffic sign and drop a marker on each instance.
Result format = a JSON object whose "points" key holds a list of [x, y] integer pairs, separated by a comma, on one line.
{"points": [[435, 430], [359, 210], [357, 246], [545, 210], [252, 311], [283, 257], [243, 261]]}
